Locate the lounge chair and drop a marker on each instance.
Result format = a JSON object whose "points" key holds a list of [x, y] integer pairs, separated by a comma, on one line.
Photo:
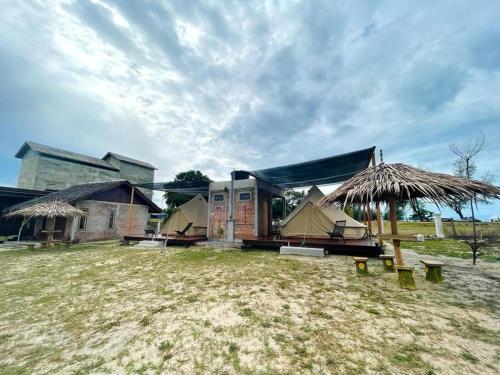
{"points": [[183, 233], [150, 233], [338, 231]]}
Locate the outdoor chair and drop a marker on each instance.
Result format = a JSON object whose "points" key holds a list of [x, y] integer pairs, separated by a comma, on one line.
{"points": [[183, 233], [338, 230], [150, 232]]}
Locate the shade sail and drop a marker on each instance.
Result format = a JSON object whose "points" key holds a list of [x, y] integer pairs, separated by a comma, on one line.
{"points": [[190, 188], [324, 171]]}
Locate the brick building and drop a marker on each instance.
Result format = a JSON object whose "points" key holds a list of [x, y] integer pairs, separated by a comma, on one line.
{"points": [[109, 212], [242, 208]]}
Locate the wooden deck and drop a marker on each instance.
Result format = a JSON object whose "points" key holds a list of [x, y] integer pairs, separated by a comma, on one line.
{"points": [[364, 247], [172, 241]]}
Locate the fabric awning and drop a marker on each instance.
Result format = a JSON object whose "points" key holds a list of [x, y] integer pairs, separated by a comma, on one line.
{"points": [[324, 171], [190, 188]]}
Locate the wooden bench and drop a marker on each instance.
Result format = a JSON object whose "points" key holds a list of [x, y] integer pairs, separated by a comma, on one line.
{"points": [[388, 262], [432, 271], [361, 265]]}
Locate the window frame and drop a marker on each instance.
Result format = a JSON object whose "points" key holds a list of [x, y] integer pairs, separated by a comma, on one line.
{"points": [[245, 193], [218, 195], [112, 212], [84, 229]]}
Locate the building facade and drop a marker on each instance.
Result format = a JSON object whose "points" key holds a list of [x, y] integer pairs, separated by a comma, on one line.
{"points": [[245, 213], [49, 168], [110, 214]]}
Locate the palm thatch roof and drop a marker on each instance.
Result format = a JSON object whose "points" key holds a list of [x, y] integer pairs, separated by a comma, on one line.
{"points": [[48, 209], [85, 191], [405, 183]]}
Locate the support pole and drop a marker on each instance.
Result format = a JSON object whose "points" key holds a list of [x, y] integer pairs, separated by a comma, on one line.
{"points": [[130, 213], [379, 216], [394, 230], [369, 213]]}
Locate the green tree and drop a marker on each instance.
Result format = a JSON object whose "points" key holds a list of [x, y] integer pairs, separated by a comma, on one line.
{"points": [[174, 200], [293, 199], [400, 212], [419, 211]]}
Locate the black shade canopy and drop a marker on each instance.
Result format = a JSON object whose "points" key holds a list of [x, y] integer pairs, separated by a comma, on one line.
{"points": [[190, 188], [329, 170]]}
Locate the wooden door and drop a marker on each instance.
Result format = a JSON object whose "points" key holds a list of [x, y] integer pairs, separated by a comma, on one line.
{"points": [[265, 218]]}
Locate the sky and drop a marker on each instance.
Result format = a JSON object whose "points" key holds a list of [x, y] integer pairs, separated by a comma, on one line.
{"points": [[223, 85]]}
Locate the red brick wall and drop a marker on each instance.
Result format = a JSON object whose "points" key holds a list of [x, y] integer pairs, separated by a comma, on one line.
{"points": [[218, 211], [244, 216]]}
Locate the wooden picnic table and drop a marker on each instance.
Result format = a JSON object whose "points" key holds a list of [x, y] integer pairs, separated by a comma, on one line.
{"points": [[50, 235]]}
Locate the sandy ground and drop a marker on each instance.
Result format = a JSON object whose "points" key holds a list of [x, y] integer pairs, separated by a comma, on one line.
{"points": [[119, 310]]}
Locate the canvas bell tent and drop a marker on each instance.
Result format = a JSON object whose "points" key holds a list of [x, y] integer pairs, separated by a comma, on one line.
{"points": [[311, 221], [194, 211]]}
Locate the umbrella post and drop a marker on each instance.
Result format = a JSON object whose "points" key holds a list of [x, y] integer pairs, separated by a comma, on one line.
{"points": [[394, 231], [405, 274]]}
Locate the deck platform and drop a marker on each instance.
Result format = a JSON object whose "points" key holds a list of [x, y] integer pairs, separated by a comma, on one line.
{"points": [[169, 241], [363, 247]]}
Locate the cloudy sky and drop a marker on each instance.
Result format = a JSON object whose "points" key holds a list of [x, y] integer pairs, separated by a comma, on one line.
{"points": [[218, 85]]}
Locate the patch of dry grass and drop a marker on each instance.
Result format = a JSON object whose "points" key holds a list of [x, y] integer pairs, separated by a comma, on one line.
{"points": [[109, 309]]}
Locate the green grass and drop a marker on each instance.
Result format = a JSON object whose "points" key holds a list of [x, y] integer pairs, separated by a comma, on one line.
{"points": [[101, 308], [428, 228], [452, 248]]}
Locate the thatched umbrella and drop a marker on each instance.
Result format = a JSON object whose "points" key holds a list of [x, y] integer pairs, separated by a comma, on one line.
{"points": [[392, 183], [50, 210]]}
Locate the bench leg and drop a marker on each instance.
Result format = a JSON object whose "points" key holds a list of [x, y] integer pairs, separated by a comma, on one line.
{"points": [[361, 268], [433, 274], [389, 265], [405, 278]]}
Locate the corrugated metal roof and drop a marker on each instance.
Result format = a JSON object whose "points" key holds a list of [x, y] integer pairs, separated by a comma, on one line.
{"points": [[64, 155], [79, 192], [126, 159]]}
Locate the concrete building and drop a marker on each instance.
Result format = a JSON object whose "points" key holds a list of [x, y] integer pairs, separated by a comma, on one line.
{"points": [[50, 168], [109, 212], [241, 208]]}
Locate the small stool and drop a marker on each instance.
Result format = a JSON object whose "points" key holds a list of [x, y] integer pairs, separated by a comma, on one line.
{"points": [[31, 246], [432, 271], [405, 277], [361, 265], [388, 262], [44, 245]]}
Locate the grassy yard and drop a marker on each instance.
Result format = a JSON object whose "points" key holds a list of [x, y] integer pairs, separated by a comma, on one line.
{"points": [[454, 248], [428, 228], [102, 308]]}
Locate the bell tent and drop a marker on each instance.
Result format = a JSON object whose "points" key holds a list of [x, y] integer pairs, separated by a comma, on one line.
{"points": [[309, 220], [194, 211]]}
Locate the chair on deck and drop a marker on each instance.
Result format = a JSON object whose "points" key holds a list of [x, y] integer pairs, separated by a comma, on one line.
{"points": [[338, 230], [150, 233], [183, 233]]}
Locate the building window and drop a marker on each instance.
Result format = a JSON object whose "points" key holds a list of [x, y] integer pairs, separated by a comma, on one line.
{"points": [[82, 223], [245, 196], [218, 197], [111, 219]]}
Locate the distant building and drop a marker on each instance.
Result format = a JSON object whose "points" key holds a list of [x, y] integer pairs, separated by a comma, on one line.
{"points": [[109, 212], [49, 168]]}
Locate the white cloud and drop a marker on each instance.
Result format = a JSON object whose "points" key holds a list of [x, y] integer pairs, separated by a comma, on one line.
{"points": [[223, 85]]}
